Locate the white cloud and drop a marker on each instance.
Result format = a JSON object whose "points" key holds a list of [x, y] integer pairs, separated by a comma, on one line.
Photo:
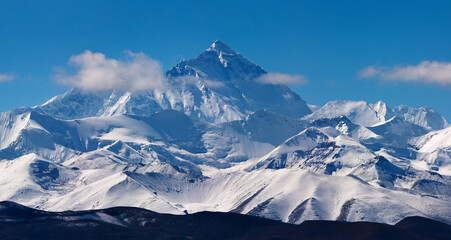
{"points": [[213, 84], [6, 77], [369, 72], [281, 78], [185, 80], [96, 72], [429, 72]]}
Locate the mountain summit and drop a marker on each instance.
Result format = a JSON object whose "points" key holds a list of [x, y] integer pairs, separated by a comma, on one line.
{"points": [[221, 47], [219, 62], [218, 85]]}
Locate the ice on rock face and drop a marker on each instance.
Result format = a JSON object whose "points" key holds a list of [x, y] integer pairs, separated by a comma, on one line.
{"points": [[434, 147], [383, 112], [424, 116]]}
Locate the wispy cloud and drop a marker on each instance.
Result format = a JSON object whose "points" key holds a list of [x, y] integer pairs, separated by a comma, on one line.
{"points": [[93, 71], [281, 78], [192, 80], [213, 84], [6, 77], [429, 72]]}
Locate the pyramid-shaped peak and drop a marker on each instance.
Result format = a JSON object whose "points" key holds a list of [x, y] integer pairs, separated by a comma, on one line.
{"points": [[221, 47]]}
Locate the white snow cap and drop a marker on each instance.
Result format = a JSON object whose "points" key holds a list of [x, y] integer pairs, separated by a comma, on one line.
{"points": [[219, 46]]}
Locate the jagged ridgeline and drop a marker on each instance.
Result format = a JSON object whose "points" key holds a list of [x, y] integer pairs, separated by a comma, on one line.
{"points": [[218, 139]]}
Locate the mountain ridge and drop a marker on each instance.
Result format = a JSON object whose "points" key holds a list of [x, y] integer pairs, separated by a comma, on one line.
{"points": [[215, 86]]}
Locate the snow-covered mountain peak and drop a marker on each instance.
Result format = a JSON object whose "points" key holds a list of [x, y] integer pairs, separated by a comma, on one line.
{"points": [[219, 62], [424, 116], [358, 112], [305, 140], [217, 86], [219, 46], [383, 112], [368, 114]]}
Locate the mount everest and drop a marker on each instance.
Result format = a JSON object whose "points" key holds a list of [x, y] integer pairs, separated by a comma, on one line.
{"points": [[217, 139]]}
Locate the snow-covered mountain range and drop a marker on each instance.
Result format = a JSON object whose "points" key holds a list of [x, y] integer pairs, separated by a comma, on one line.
{"points": [[217, 139], [219, 85]]}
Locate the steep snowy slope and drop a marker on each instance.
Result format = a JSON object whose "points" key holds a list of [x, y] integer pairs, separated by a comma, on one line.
{"points": [[395, 133], [424, 116], [435, 149], [265, 126], [219, 85], [11, 127], [434, 140]]}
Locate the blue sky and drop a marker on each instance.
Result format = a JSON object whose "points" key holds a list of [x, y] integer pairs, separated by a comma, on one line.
{"points": [[329, 42]]}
